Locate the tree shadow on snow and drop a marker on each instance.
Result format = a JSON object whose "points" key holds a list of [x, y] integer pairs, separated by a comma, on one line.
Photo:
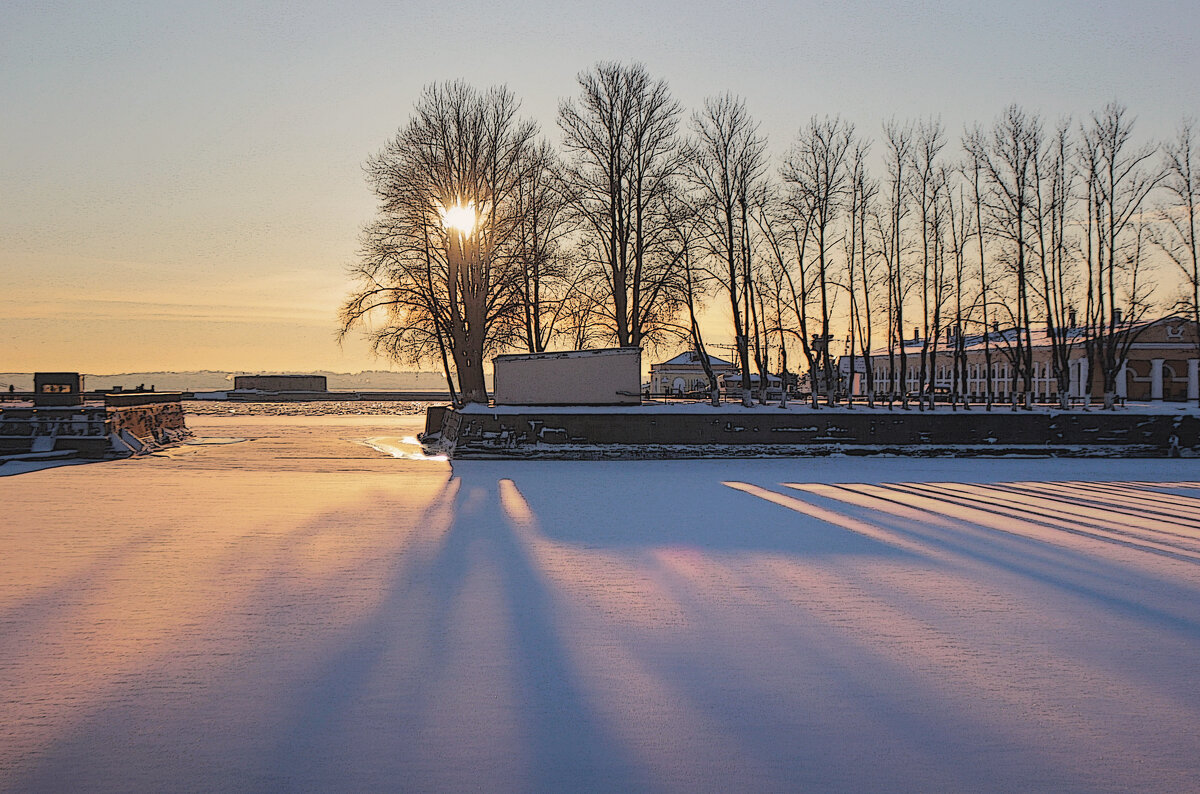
{"points": [[669, 504]]}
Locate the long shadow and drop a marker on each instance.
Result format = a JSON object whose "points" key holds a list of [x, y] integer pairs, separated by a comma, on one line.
{"points": [[289, 756], [720, 682], [1013, 552], [570, 749], [562, 736], [997, 505], [566, 747], [658, 504], [318, 714]]}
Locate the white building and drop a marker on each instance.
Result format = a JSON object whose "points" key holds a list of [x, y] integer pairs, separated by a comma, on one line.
{"points": [[685, 373], [610, 376]]}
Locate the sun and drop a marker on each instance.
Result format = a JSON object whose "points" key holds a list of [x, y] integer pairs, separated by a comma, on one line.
{"points": [[459, 218]]}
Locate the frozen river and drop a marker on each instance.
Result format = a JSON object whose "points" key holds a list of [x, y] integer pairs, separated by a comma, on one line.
{"points": [[300, 610]]}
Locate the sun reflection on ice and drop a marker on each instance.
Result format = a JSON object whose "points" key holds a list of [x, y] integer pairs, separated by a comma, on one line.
{"points": [[406, 448]]}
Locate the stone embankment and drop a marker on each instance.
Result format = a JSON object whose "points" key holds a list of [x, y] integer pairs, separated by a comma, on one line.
{"points": [[702, 431], [120, 425]]}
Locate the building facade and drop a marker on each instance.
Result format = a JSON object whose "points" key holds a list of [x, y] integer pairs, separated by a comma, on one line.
{"points": [[684, 374], [609, 376], [1162, 364]]}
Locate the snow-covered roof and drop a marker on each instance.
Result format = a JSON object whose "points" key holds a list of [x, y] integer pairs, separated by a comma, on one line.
{"points": [[1039, 337], [692, 357], [606, 351], [1003, 338]]}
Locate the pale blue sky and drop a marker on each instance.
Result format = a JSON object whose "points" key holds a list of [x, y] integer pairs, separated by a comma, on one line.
{"points": [[180, 184]]}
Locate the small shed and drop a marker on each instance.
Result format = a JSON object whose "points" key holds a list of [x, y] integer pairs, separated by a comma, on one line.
{"points": [[610, 376]]}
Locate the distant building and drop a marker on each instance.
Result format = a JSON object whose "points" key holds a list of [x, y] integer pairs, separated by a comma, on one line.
{"points": [[685, 373], [57, 388], [1162, 365], [279, 383]]}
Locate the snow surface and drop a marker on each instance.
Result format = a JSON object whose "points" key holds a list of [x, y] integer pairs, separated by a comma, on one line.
{"points": [[303, 611]]}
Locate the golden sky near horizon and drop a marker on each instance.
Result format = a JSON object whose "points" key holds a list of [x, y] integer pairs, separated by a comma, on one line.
{"points": [[182, 185]]}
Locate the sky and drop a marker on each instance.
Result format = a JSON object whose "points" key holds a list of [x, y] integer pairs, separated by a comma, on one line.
{"points": [[181, 183]]}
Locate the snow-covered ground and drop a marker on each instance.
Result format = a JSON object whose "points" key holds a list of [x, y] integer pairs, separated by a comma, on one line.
{"points": [[284, 606]]}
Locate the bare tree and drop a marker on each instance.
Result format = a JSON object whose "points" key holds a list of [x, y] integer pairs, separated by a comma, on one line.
{"points": [[817, 171], [959, 223], [1179, 216], [975, 145], [861, 276], [438, 261], [928, 192], [622, 157], [1011, 164], [685, 226], [898, 140], [724, 168], [785, 238], [549, 270], [1117, 181], [1052, 194]]}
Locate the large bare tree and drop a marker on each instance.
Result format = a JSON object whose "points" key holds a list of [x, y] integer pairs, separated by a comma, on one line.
{"points": [[437, 271], [1053, 255], [1118, 178], [890, 221], [622, 159], [975, 145], [725, 165], [549, 267], [928, 187], [817, 172], [862, 278], [1011, 162]]}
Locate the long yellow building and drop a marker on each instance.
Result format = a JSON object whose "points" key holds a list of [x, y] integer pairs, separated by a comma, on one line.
{"points": [[1163, 363]]}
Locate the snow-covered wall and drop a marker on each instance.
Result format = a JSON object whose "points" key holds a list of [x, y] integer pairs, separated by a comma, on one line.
{"points": [[611, 376]]}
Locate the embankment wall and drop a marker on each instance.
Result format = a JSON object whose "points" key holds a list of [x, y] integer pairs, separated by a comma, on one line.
{"points": [[489, 434]]}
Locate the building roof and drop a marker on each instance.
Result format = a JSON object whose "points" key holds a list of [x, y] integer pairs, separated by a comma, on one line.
{"points": [[557, 354], [692, 357], [1038, 337]]}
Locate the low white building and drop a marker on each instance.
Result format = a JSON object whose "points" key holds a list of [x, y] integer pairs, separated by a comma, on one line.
{"points": [[611, 376], [685, 373]]}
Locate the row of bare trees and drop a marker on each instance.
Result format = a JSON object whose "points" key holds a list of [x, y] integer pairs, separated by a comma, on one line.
{"points": [[1013, 236]]}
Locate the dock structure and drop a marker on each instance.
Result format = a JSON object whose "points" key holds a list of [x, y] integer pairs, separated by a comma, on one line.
{"points": [[59, 419]]}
